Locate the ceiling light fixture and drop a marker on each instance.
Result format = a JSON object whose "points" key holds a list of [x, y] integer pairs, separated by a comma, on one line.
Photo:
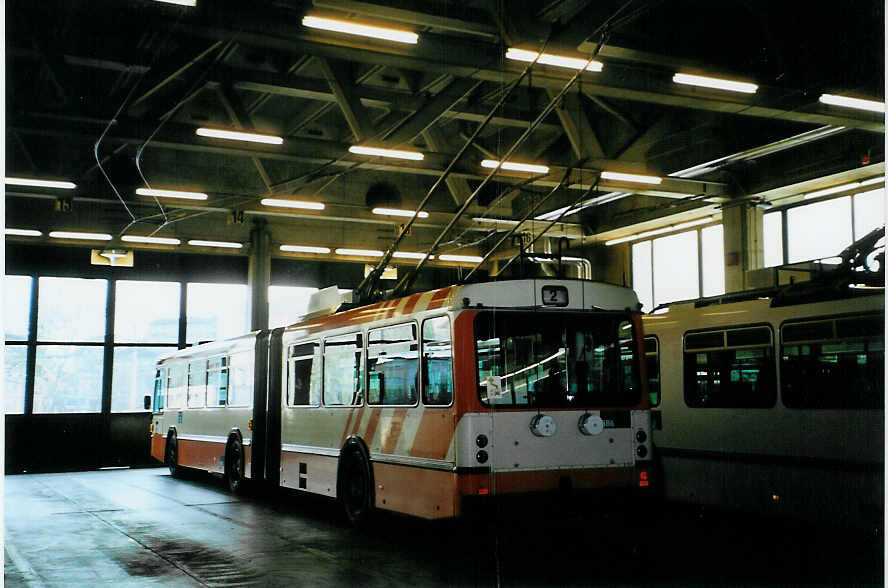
{"points": [[669, 229], [222, 244], [636, 178], [292, 204], [399, 212], [496, 221], [359, 252], [23, 232], [113, 255], [393, 153], [556, 60], [716, 83], [411, 255], [239, 136], [40, 183], [511, 165], [304, 249], [832, 190], [848, 102], [79, 235], [461, 258], [352, 28], [171, 194], [150, 240], [179, 2]]}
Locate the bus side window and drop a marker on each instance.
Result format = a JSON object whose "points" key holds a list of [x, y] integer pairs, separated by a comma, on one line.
{"points": [[159, 381], [652, 367], [393, 359], [176, 386], [238, 379], [197, 384], [303, 382], [217, 381], [437, 359], [343, 374]]}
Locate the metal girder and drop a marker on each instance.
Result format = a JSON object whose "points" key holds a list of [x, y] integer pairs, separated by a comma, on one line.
{"points": [[483, 61], [426, 116], [182, 137], [458, 187], [576, 125], [337, 77], [172, 67], [387, 13], [241, 119]]}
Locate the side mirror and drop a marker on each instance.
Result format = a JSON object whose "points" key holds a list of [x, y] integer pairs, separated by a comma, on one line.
{"points": [[147, 402]]}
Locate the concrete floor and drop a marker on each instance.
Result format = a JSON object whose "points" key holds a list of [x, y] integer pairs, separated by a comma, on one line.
{"points": [[144, 528]]}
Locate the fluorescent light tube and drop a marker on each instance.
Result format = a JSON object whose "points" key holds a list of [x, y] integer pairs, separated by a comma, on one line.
{"points": [[223, 244], [550, 59], [463, 258], [832, 190], [351, 28], [717, 83], [79, 235], [292, 204], [849, 102], [523, 167], [399, 212], [23, 232], [393, 153], [411, 255], [637, 178], [669, 229], [179, 2], [304, 249], [239, 136], [359, 252], [152, 240], [171, 194], [496, 221], [40, 183]]}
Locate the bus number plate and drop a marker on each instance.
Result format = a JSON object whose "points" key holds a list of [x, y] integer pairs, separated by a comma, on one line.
{"points": [[554, 296]]}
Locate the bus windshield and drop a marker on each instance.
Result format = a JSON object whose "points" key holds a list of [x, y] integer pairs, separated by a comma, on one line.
{"points": [[548, 360]]}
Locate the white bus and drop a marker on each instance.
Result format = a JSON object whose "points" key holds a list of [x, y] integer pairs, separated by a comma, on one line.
{"points": [[414, 404]]}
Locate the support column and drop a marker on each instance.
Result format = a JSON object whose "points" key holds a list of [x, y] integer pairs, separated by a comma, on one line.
{"points": [[744, 243], [259, 273]]}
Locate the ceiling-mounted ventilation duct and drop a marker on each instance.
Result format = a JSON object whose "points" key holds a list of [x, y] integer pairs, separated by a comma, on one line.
{"points": [[382, 194]]}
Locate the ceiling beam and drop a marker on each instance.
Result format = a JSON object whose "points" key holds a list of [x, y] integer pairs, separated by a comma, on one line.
{"points": [[241, 120], [580, 133], [339, 80], [434, 109], [437, 141]]}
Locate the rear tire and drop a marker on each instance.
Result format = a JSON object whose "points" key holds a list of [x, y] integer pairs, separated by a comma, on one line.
{"points": [[356, 487], [234, 465], [172, 456]]}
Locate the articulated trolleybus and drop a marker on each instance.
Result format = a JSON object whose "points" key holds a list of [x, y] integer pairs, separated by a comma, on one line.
{"points": [[416, 403]]}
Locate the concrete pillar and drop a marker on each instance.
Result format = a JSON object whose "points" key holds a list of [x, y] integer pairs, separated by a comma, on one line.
{"points": [[259, 273], [744, 243]]}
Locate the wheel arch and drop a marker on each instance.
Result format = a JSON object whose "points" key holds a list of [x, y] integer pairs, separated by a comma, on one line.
{"points": [[355, 443]]}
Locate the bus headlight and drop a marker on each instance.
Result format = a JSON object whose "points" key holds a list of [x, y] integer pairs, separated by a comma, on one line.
{"points": [[641, 436], [481, 456], [641, 451], [481, 440]]}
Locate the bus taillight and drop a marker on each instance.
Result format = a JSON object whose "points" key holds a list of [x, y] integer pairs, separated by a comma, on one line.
{"points": [[643, 479], [250, 424]]}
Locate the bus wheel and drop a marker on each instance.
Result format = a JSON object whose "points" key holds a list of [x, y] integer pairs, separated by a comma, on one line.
{"points": [[234, 465], [356, 487], [172, 455]]}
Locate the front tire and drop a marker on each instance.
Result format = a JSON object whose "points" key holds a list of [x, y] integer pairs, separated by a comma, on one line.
{"points": [[234, 465], [172, 456], [356, 487]]}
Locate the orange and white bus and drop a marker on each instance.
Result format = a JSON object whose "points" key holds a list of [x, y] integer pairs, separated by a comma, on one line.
{"points": [[415, 403]]}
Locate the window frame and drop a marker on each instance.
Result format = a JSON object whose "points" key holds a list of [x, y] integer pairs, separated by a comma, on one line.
{"points": [[655, 354], [417, 339], [832, 318], [362, 364], [188, 385], [724, 329], [422, 365], [287, 360]]}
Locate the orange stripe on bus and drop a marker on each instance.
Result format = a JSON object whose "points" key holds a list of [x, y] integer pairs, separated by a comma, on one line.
{"points": [[348, 421], [411, 303], [371, 426], [392, 433], [439, 298], [434, 434], [357, 423]]}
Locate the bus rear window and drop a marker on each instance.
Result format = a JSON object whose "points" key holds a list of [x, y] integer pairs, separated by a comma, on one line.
{"points": [[556, 360]]}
